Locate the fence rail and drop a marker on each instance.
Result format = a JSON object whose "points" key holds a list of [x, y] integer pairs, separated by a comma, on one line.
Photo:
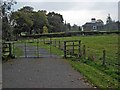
{"points": [[71, 44], [7, 49], [74, 48]]}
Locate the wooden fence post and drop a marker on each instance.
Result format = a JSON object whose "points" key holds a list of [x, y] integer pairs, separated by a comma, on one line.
{"points": [[50, 47], [73, 48], [13, 49], [51, 42], [104, 59], [79, 51], [37, 49], [59, 44], [55, 42], [64, 49], [84, 51], [25, 49], [44, 40], [10, 49]]}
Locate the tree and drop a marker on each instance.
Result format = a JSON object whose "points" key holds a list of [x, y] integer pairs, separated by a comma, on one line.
{"points": [[68, 26], [79, 28], [6, 23], [23, 19], [75, 27], [55, 21], [27, 9], [39, 21], [45, 29], [29, 21]]}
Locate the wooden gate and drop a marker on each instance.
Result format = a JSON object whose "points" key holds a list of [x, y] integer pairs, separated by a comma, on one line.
{"points": [[7, 50], [72, 48]]}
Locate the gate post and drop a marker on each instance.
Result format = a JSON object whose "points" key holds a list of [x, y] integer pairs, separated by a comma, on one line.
{"points": [[59, 44], [84, 51], [10, 49], [25, 50], [13, 49], [104, 54], [55, 42], [37, 49], [64, 49], [79, 51], [50, 46], [73, 48]]}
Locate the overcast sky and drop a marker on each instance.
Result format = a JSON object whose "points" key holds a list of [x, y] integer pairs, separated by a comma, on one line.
{"points": [[75, 11]]}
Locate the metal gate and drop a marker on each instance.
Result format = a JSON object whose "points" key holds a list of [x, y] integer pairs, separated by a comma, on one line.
{"points": [[30, 48]]}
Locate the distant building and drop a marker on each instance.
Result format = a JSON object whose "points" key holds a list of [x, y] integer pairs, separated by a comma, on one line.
{"points": [[93, 25], [110, 25], [98, 25]]}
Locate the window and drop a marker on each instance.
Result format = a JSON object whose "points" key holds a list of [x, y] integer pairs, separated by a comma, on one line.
{"points": [[94, 27]]}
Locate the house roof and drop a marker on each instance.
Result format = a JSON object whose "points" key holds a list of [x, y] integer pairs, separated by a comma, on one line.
{"points": [[93, 24], [89, 24]]}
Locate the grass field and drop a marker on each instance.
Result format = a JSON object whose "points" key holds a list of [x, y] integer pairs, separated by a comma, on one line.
{"points": [[101, 76]]}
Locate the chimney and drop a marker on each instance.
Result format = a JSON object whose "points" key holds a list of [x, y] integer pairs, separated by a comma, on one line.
{"points": [[93, 20]]}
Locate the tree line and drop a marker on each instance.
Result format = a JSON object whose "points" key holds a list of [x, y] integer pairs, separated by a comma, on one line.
{"points": [[26, 21]]}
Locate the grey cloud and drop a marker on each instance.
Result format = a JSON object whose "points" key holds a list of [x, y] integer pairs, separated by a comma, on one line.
{"points": [[58, 5], [97, 5], [65, 6], [51, 6], [103, 7]]}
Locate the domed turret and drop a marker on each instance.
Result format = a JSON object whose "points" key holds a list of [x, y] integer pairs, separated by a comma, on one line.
{"points": [[109, 20]]}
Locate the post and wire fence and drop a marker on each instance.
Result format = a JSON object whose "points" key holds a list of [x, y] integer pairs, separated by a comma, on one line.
{"points": [[74, 48]]}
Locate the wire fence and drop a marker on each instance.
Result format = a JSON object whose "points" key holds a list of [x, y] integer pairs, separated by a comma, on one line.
{"points": [[72, 50]]}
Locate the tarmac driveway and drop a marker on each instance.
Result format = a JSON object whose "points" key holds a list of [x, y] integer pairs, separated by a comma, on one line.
{"points": [[45, 72], [41, 73]]}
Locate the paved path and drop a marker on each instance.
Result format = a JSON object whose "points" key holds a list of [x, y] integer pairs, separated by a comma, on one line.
{"points": [[47, 72], [0, 75]]}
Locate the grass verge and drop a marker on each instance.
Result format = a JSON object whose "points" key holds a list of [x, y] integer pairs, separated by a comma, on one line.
{"points": [[95, 76]]}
